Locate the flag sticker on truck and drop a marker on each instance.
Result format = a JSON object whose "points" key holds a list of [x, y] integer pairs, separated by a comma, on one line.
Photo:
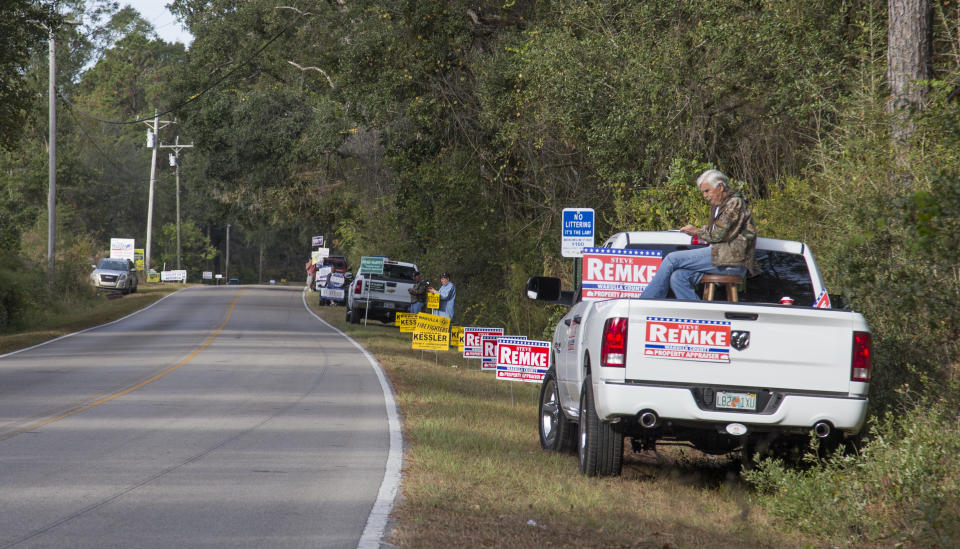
{"points": [[687, 339]]}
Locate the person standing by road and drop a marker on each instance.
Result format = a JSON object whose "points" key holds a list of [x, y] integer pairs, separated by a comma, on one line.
{"points": [[732, 236], [418, 293], [448, 294], [311, 273]]}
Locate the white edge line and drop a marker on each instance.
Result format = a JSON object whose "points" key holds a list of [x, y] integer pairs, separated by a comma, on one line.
{"points": [[138, 311], [380, 513]]}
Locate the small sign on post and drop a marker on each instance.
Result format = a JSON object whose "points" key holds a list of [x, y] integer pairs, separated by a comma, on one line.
{"points": [[371, 265], [316, 241], [577, 231]]}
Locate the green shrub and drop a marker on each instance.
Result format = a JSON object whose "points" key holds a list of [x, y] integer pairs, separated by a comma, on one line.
{"points": [[903, 484]]}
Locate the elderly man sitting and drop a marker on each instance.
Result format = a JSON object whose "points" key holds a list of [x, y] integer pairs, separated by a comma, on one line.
{"points": [[730, 232]]}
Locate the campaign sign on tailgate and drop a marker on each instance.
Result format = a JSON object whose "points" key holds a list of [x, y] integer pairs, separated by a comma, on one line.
{"points": [[488, 362], [687, 339], [471, 340], [522, 360], [610, 273]]}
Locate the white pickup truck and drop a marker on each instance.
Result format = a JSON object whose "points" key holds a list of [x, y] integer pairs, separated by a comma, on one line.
{"points": [[381, 297], [718, 375]]}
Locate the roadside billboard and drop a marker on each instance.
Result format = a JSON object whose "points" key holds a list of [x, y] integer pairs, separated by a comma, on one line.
{"points": [[122, 248]]}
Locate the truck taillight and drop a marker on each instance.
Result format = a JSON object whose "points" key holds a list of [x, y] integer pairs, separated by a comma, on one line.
{"points": [[357, 286], [860, 364], [613, 348]]}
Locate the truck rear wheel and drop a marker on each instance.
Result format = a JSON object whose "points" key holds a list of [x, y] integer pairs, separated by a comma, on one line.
{"points": [[557, 433], [600, 446]]}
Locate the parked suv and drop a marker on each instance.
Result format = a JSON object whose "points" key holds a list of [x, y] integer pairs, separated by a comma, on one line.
{"points": [[114, 274], [380, 297]]}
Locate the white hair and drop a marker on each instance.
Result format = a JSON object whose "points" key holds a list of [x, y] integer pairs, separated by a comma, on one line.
{"points": [[713, 178]]}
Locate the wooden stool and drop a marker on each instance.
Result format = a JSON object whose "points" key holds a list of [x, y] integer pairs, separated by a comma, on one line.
{"points": [[710, 281]]}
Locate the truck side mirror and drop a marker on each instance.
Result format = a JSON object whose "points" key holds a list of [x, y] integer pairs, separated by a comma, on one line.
{"points": [[543, 288]]}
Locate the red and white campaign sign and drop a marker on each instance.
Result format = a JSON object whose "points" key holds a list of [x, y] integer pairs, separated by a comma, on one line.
{"points": [[471, 340], [610, 273], [522, 360], [687, 339], [489, 345]]}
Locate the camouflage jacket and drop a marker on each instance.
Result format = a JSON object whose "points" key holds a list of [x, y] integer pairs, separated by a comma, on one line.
{"points": [[419, 291], [732, 234]]}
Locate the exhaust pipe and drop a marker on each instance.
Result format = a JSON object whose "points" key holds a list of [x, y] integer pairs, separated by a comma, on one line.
{"points": [[648, 419], [821, 429]]}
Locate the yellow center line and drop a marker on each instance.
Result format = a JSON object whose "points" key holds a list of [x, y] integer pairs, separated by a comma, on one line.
{"points": [[133, 388]]}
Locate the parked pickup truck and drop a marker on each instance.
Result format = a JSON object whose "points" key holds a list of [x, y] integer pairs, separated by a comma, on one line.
{"points": [[717, 375], [380, 297]]}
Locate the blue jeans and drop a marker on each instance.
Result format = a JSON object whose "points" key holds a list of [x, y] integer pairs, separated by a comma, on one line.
{"points": [[682, 270], [417, 307]]}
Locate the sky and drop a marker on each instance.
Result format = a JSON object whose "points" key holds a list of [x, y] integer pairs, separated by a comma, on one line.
{"points": [[163, 21]]}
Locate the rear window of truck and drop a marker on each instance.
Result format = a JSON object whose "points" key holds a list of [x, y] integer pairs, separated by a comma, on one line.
{"points": [[398, 272], [781, 274]]}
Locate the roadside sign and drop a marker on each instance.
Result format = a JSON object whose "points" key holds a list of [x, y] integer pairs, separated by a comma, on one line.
{"points": [[610, 273], [121, 248], [371, 265], [173, 276], [333, 294], [432, 333], [316, 241], [433, 300], [577, 231], [522, 360], [488, 362], [315, 257], [208, 275], [407, 322], [471, 340], [138, 258], [456, 337], [324, 252]]}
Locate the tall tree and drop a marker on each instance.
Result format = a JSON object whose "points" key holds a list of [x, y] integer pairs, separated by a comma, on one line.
{"points": [[23, 29], [909, 54]]}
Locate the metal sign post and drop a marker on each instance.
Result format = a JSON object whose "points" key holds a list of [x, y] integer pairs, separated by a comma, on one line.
{"points": [[372, 266]]}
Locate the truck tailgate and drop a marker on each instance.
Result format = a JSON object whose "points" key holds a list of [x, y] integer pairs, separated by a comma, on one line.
{"points": [[728, 344]]}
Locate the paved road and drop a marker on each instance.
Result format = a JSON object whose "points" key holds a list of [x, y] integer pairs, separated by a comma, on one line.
{"points": [[219, 417]]}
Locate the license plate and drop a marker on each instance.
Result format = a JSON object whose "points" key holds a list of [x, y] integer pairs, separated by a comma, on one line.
{"points": [[387, 305], [737, 401]]}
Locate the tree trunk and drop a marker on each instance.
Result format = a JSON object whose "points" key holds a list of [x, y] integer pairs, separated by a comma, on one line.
{"points": [[909, 52]]}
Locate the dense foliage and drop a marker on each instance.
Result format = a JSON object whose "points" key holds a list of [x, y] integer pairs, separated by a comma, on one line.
{"points": [[453, 132]]}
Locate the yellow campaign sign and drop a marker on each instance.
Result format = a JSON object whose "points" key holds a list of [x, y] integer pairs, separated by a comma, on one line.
{"points": [[456, 335], [431, 341], [406, 321], [153, 277], [432, 323], [138, 258], [433, 300]]}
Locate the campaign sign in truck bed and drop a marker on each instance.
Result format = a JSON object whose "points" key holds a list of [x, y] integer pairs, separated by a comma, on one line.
{"points": [[687, 339], [613, 273], [522, 360]]}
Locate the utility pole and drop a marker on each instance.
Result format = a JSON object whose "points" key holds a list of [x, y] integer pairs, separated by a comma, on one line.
{"points": [[175, 161], [153, 141], [52, 170], [52, 159], [227, 266]]}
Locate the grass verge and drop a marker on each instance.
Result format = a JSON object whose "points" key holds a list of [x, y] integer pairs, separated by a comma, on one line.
{"points": [[82, 314], [475, 476]]}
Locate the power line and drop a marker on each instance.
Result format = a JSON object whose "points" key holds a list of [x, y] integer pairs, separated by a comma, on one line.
{"points": [[195, 96]]}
